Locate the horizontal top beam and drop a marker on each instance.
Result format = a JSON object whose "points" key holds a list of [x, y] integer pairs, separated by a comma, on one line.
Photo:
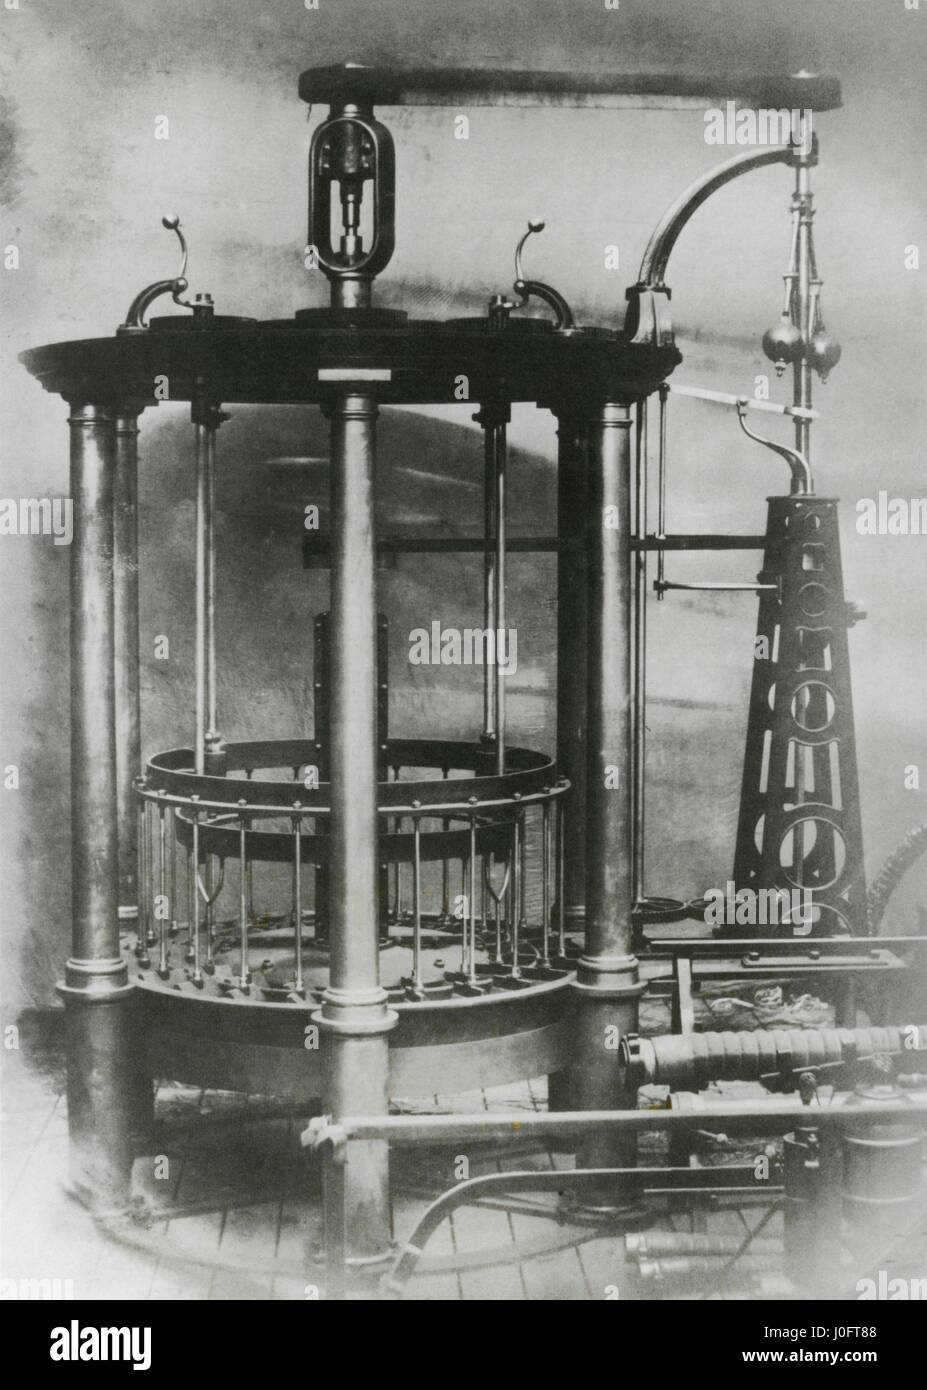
{"points": [[433, 86]]}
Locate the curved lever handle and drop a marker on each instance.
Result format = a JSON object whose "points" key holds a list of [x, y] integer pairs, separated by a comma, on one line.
{"points": [[534, 225], [526, 289], [172, 224], [802, 482], [135, 318]]}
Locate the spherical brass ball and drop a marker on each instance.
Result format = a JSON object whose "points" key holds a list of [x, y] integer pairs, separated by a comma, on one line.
{"points": [[823, 353], [783, 344]]}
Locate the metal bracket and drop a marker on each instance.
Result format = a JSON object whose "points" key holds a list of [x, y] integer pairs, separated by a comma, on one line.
{"points": [[321, 1131]]}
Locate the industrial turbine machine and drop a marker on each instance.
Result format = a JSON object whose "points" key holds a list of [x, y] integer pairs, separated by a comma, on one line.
{"points": [[470, 913]]}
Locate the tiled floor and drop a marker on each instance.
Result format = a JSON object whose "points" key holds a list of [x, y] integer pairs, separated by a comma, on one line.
{"points": [[236, 1211]]}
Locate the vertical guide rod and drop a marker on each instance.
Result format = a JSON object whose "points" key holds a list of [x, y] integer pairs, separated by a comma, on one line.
{"points": [[144, 888], [173, 879], [545, 884], [500, 456], [126, 652], [207, 742], [640, 655], [298, 899], [163, 970], [572, 644], [243, 972], [559, 881], [201, 565], [661, 500], [191, 889], [195, 902], [489, 577], [471, 895], [517, 885], [494, 419], [417, 982], [148, 875], [211, 735]]}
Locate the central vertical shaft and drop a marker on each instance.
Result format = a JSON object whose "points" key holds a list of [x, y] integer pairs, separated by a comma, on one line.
{"points": [[607, 989], [355, 1019], [353, 699]]}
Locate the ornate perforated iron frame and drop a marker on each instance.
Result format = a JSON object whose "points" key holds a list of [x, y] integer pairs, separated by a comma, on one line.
{"points": [[799, 825]]}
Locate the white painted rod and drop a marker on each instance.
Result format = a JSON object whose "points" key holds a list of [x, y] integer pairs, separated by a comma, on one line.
{"points": [[701, 393]]}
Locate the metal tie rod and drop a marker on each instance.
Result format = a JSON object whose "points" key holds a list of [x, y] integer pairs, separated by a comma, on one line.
{"points": [[720, 586], [702, 393]]}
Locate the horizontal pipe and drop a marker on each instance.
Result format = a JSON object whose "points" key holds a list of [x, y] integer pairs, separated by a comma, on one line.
{"points": [[440, 545], [318, 547], [404, 1130], [695, 541]]}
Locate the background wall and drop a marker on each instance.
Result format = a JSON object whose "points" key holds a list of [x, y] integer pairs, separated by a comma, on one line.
{"points": [[85, 184]]}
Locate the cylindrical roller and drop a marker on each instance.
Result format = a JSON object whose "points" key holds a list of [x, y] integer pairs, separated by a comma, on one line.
{"points": [[692, 1061], [662, 1244], [697, 1266]]}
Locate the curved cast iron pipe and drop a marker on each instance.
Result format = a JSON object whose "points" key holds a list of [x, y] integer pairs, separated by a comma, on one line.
{"points": [[667, 230], [640, 1179]]}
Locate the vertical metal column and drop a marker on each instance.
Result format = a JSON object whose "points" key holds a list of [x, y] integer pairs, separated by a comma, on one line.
{"points": [[571, 660], [108, 1095], [354, 1018], [607, 988], [126, 644]]}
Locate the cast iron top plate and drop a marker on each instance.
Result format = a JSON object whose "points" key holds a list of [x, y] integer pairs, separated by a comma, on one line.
{"points": [[292, 361]]}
